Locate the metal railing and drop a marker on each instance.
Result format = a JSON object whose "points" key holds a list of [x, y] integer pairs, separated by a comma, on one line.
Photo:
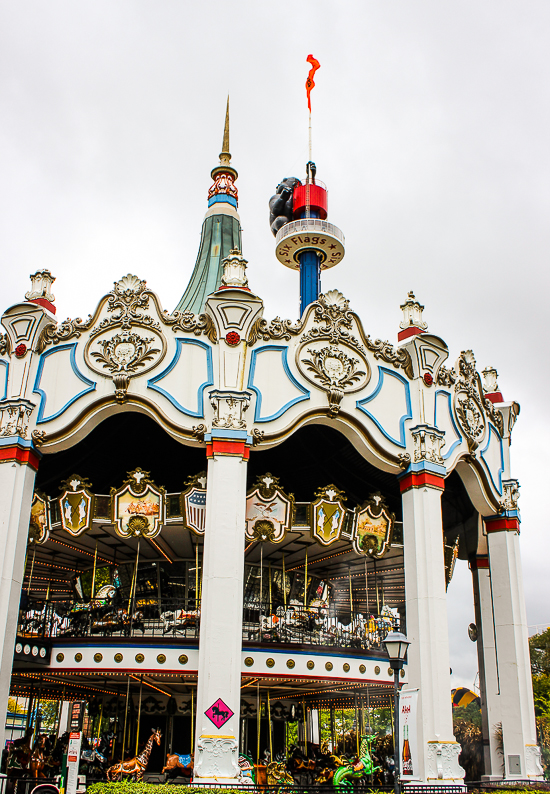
{"points": [[59, 620], [315, 626], [295, 625], [309, 226]]}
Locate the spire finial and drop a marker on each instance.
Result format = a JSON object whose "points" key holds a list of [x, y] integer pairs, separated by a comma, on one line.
{"points": [[225, 144]]}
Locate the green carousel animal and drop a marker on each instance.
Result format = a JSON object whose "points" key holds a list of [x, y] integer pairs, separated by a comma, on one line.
{"points": [[363, 766]]}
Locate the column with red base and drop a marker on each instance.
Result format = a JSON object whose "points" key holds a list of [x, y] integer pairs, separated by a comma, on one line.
{"points": [[426, 607], [18, 465], [513, 698], [220, 644]]}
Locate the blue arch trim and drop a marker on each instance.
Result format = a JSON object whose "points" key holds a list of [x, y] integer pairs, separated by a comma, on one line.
{"points": [[152, 383], [90, 384], [305, 395], [498, 487], [6, 366], [455, 427], [382, 372]]}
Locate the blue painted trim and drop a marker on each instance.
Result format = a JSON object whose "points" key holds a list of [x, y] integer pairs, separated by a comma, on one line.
{"points": [[43, 396], [426, 465], [151, 384], [11, 441], [224, 198], [455, 427], [240, 435], [61, 644], [306, 394], [6, 366], [382, 371], [500, 471]]}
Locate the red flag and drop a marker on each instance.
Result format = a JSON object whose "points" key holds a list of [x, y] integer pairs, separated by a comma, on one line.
{"points": [[310, 82]]}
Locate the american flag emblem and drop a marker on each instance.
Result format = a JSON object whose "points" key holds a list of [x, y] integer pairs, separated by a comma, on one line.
{"points": [[195, 510]]}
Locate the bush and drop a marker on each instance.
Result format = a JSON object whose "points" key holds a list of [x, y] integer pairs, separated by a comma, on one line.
{"points": [[153, 788]]}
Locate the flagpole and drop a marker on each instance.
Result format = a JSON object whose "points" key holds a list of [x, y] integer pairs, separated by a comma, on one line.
{"points": [[310, 146]]}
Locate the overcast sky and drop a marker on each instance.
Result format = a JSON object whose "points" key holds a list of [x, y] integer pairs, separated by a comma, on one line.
{"points": [[430, 127]]}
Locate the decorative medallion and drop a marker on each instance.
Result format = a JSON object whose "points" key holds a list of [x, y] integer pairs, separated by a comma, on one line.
{"points": [[140, 658], [402, 674], [118, 658], [373, 527], [327, 514], [232, 338], [98, 657], [310, 665], [219, 713], [161, 658], [60, 657], [390, 671], [193, 504], [362, 669], [328, 666], [249, 661], [20, 350], [291, 664], [269, 510], [346, 667], [270, 662], [78, 657], [335, 369], [469, 400], [138, 506], [39, 524], [76, 505], [377, 670]]}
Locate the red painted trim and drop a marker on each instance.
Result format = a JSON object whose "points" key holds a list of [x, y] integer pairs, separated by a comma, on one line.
{"points": [[21, 455], [494, 397], [413, 330], [500, 524], [421, 479], [480, 562], [219, 447], [43, 302]]}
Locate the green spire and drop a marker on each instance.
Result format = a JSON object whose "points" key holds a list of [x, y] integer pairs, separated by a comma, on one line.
{"points": [[221, 232]]}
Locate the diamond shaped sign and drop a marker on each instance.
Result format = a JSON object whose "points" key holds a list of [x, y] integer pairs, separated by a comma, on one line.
{"points": [[219, 713]]}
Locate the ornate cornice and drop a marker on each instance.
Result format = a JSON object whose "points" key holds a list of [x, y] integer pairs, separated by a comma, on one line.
{"points": [[276, 329]]}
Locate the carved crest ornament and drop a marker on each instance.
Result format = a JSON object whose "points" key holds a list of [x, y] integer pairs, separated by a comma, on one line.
{"points": [[76, 505], [327, 515], [138, 506], [373, 527]]}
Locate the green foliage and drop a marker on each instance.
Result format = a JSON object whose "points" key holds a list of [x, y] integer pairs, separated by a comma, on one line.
{"points": [[539, 647], [470, 713], [15, 707]]}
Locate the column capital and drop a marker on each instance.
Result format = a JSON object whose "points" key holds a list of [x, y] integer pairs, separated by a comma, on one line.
{"points": [[423, 473], [508, 521], [20, 450]]}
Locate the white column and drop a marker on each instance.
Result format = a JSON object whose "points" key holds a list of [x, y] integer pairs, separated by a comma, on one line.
{"points": [[487, 665], [220, 644], [17, 473], [521, 753], [426, 605]]}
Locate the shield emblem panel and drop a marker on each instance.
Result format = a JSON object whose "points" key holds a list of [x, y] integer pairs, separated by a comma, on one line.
{"points": [[39, 524], [76, 505], [373, 528], [138, 507], [269, 511], [194, 509], [328, 513]]}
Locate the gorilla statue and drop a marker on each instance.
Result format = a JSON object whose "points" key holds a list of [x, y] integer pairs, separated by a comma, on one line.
{"points": [[280, 205]]}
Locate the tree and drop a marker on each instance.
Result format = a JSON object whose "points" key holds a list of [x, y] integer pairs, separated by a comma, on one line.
{"points": [[539, 646]]}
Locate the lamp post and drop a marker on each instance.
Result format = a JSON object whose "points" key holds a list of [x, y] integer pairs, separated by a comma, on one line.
{"points": [[396, 645]]}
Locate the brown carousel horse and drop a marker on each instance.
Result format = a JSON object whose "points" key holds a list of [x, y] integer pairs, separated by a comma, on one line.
{"points": [[37, 764], [135, 766], [175, 762]]}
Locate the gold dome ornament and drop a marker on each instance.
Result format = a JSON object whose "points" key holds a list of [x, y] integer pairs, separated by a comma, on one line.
{"points": [[249, 661], [140, 658]]}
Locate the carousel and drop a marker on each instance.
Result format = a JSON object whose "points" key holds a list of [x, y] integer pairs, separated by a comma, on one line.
{"points": [[212, 520]]}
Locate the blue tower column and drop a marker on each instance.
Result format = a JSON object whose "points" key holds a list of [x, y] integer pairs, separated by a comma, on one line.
{"points": [[310, 278]]}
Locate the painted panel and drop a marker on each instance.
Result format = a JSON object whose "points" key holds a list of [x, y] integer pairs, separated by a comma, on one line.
{"points": [[389, 406], [444, 420], [275, 386], [59, 382], [186, 377], [4, 370], [493, 458]]}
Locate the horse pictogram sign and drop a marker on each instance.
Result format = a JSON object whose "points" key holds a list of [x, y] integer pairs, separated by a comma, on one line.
{"points": [[219, 713]]}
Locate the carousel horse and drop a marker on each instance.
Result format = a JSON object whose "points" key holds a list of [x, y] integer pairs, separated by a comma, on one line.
{"points": [[20, 754], [361, 767], [277, 774], [37, 764], [246, 773], [135, 766], [175, 761], [117, 620], [179, 620]]}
